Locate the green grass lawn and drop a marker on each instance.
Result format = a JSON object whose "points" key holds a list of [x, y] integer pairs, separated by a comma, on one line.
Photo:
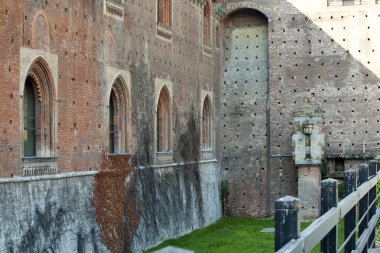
{"points": [[232, 234]]}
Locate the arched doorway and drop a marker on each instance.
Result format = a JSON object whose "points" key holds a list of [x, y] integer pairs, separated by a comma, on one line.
{"points": [[245, 112]]}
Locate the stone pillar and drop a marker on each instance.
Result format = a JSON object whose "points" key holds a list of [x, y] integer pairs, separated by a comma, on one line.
{"points": [[308, 143], [309, 181]]}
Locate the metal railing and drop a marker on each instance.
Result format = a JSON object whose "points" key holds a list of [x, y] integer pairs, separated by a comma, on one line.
{"points": [[359, 200]]}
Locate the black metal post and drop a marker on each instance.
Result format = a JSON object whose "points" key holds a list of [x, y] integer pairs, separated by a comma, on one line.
{"points": [[350, 218], [372, 197], [329, 199], [363, 203], [287, 223]]}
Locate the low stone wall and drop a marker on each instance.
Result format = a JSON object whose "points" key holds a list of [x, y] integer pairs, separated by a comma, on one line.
{"points": [[56, 213], [176, 200], [49, 214]]}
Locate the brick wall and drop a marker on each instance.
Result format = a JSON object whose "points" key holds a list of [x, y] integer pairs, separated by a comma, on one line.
{"points": [[320, 57], [86, 42]]}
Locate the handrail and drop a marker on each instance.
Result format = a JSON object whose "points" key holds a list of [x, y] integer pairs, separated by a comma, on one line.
{"points": [[319, 229]]}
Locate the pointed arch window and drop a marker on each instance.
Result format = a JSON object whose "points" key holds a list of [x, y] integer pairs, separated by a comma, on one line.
{"points": [[38, 112], [163, 121], [118, 122], [207, 125]]}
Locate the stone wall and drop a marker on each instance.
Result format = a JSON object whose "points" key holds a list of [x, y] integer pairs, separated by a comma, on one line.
{"points": [[49, 214], [176, 200], [244, 110], [57, 213]]}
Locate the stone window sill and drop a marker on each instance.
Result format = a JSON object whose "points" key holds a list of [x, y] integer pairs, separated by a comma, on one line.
{"points": [[164, 157], [207, 49], [164, 32], [207, 154], [37, 166]]}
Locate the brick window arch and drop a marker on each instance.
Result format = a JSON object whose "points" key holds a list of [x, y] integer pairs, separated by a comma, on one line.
{"points": [[207, 22], [118, 136], [164, 12], [207, 124], [38, 112], [163, 121]]}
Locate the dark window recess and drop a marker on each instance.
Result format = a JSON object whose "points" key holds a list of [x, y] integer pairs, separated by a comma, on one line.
{"points": [[111, 124], [339, 164], [29, 119]]}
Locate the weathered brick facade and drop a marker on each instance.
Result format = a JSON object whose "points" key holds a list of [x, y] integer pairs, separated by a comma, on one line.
{"points": [[264, 61], [86, 42], [85, 51]]}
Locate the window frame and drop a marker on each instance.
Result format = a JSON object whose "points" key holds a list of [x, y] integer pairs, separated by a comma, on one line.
{"points": [[163, 119], [165, 157], [111, 7], [43, 85], [119, 137], [207, 14], [207, 153], [167, 13], [165, 29], [207, 124]]}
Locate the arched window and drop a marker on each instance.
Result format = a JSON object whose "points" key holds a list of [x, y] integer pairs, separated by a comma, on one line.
{"points": [[206, 125], [164, 12], [118, 140], [38, 112], [206, 22], [163, 121]]}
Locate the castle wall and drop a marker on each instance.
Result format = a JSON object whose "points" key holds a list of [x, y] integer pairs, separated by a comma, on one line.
{"points": [[85, 47], [244, 111], [320, 57], [87, 43], [61, 213]]}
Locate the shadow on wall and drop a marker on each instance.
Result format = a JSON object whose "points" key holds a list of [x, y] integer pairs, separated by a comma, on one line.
{"points": [[307, 69]]}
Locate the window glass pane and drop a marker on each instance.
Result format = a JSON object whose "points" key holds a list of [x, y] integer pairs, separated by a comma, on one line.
{"points": [[29, 119], [111, 126]]}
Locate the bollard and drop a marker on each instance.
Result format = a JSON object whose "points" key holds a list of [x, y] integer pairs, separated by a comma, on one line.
{"points": [[371, 198], [350, 218], [363, 203], [287, 223], [329, 199]]}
